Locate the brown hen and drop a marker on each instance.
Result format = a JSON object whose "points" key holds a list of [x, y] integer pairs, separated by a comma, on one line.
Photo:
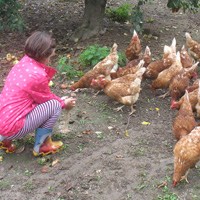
{"points": [[134, 49], [184, 122]]}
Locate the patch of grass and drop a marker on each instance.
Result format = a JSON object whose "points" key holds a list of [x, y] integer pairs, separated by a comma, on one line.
{"points": [[59, 136], [29, 185], [80, 147], [66, 67], [167, 195], [28, 173], [51, 188], [43, 160], [101, 136]]}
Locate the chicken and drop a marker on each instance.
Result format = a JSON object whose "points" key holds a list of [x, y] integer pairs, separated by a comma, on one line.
{"points": [[194, 86], [134, 49], [193, 46], [184, 122], [154, 68], [192, 97], [198, 102], [186, 60], [173, 45], [186, 155], [108, 64], [164, 77], [127, 70], [85, 81], [124, 90], [146, 57], [180, 82]]}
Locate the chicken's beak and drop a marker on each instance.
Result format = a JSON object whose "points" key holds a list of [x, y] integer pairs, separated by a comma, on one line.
{"points": [[175, 184]]}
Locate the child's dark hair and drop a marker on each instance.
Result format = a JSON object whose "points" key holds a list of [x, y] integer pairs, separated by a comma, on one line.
{"points": [[39, 46]]}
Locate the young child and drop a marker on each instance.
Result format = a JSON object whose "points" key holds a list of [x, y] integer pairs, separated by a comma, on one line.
{"points": [[26, 102]]}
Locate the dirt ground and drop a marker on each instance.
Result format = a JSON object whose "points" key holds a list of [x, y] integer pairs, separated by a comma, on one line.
{"points": [[100, 159]]}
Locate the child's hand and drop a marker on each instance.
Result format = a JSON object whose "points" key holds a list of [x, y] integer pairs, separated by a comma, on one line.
{"points": [[69, 103]]}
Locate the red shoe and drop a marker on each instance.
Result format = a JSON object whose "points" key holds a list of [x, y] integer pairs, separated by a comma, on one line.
{"points": [[8, 146], [49, 147]]}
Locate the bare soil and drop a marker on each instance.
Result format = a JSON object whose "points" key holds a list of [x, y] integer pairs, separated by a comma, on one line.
{"points": [[107, 155]]}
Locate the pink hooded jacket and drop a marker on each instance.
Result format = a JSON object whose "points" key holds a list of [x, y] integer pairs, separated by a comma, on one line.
{"points": [[26, 86]]}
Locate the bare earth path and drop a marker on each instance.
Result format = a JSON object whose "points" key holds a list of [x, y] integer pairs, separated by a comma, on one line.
{"points": [[100, 159]]}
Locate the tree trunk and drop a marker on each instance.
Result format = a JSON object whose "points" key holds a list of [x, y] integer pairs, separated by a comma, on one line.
{"points": [[92, 20]]}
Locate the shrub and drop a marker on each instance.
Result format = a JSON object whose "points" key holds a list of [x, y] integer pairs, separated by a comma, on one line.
{"points": [[120, 14], [9, 16], [95, 54]]}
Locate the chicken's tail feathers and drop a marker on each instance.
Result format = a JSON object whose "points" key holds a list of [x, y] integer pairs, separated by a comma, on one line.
{"points": [[134, 33], [114, 48], [194, 66], [188, 36], [141, 64], [167, 50], [173, 45], [147, 51], [198, 95], [178, 57], [140, 72], [186, 96]]}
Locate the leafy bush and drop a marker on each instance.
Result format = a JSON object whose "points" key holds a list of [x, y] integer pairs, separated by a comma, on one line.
{"points": [[9, 16], [191, 5], [66, 67], [95, 54], [120, 14]]}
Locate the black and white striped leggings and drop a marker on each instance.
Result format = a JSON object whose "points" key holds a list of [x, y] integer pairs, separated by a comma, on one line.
{"points": [[44, 115]]}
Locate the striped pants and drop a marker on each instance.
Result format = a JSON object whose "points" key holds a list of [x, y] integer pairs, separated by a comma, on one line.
{"points": [[44, 115]]}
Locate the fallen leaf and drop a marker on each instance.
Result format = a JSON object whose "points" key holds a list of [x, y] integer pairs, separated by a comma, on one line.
{"points": [[98, 171], [146, 123], [127, 133], [86, 132], [55, 162], [119, 156], [20, 150], [79, 136], [63, 86], [84, 112], [1, 158], [46, 169]]}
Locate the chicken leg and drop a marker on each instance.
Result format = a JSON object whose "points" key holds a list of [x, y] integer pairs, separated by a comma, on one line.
{"points": [[185, 176]]}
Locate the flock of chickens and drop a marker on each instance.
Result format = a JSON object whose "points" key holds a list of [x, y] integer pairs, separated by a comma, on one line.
{"points": [[174, 71]]}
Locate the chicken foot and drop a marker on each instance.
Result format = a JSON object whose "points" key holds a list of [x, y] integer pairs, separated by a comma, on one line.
{"points": [[132, 111], [66, 122], [119, 108], [185, 176], [164, 95]]}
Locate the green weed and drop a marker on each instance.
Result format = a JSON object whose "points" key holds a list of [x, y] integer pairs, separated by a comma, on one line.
{"points": [[119, 14], [94, 54], [167, 195], [80, 146], [65, 67]]}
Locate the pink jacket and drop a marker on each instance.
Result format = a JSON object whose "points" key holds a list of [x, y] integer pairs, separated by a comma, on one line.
{"points": [[26, 86]]}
